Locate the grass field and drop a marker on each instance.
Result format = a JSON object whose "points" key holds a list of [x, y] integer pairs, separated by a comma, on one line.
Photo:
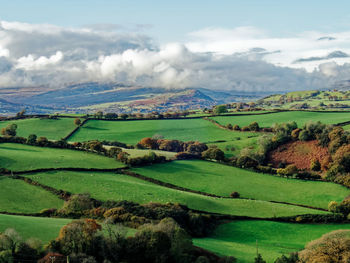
{"points": [[233, 148], [42, 228], [19, 197], [239, 238], [109, 186], [132, 132], [222, 180], [301, 117], [19, 157], [50, 128]]}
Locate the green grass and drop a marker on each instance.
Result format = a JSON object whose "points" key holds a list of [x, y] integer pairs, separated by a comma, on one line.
{"points": [[43, 228], [19, 157], [222, 180], [50, 128], [233, 148], [239, 238], [301, 117], [19, 197], [109, 186], [132, 132]]}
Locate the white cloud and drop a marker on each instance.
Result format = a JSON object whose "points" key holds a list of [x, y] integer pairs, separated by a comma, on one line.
{"points": [[244, 58]]}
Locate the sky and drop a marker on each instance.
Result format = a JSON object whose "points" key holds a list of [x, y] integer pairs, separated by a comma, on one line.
{"points": [[239, 45]]}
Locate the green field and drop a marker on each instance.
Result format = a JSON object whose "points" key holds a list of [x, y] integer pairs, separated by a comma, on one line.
{"points": [[239, 238], [109, 186], [50, 128], [300, 117], [132, 132], [234, 148], [19, 157], [222, 180], [43, 228], [19, 197]]}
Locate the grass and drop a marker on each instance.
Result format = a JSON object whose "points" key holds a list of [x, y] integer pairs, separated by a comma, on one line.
{"points": [[301, 117], [19, 157], [239, 238], [50, 128], [222, 180], [233, 148], [43, 228], [132, 132], [19, 197], [109, 186]]}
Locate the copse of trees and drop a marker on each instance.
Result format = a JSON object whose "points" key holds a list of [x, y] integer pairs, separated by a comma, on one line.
{"points": [[9, 130], [220, 109], [195, 148]]}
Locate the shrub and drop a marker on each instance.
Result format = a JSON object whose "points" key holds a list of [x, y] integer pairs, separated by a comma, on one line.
{"points": [[229, 126], [246, 162], [214, 154], [304, 135], [236, 127], [295, 133], [315, 165], [235, 195], [333, 207], [288, 171], [254, 126], [245, 128]]}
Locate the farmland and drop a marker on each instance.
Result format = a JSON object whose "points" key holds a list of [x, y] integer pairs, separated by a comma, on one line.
{"points": [[109, 186], [20, 157], [53, 129], [193, 183], [45, 229], [18, 197], [300, 117], [222, 180], [131, 132], [274, 238]]}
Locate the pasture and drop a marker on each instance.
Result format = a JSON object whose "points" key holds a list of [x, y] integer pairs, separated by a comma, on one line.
{"points": [[42, 228], [300, 117], [53, 129], [239, 238], [131, 132], [19, 157], [19, 197], [222, 180], [110, 186]]}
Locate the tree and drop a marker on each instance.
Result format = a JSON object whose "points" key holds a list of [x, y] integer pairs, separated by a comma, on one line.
{"points": [[220, 109], [77, 121], [333, 207], [31, 139], [9, 130], [254, 126], [332, 247], [259, 259], [214, 154], [315, 165]]}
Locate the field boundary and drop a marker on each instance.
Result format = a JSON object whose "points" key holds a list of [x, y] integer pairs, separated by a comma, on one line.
{"points": [[179, 188], [75, 130], [71, 169]]}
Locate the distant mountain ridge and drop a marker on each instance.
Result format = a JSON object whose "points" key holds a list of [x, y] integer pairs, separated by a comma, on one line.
{"points": [[115, 97]]}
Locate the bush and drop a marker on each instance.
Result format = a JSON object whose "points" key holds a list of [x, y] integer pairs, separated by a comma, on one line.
{"points": [[333, 207], [214, 154], [315, 165], [236, 127], [245, 128], [235, 195], [304, 135], [254, 126], [288, 171], [246, 162], [229, 126]]}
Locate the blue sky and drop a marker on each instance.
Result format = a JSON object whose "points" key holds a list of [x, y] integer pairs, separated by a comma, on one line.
{"points": [[172, 20]]}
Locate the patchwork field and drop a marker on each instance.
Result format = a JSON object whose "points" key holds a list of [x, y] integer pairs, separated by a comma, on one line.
{"points": [[50, 128], [19, 157], [274, 239], [43, 228], [300, 117], [132, 132], [109, 186], [19, 197], [222, 180]]}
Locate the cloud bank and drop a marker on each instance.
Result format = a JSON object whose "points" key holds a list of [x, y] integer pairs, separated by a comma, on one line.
{"points": [[244, 59]]}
